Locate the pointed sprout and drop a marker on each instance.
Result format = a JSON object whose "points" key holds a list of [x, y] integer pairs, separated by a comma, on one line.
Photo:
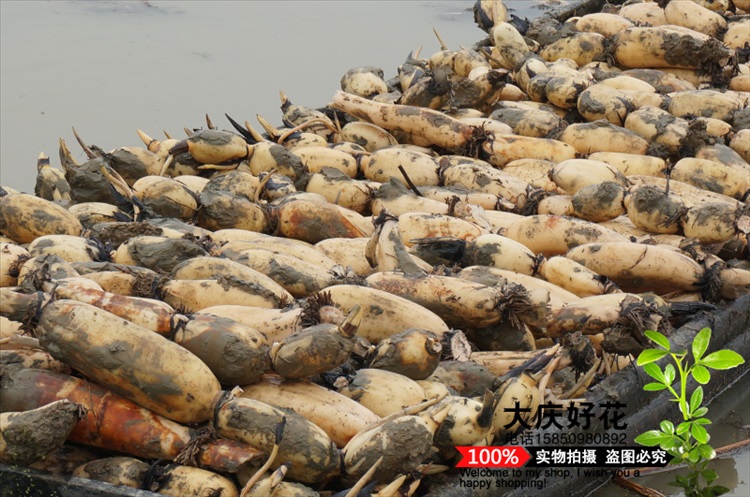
{"points": [[413, 486], [364, 479], [438, 413], [89, 153], [487, 53], [262, 185], [152, 144], [167, 163], [117, 182], [218, 167], [22, 341], [254, 132], [271, 458], [407, 411], [122, 187], [349, 327], [42, 161], [66, 158], [247, 133], [284, 99], [337, 124], [391, 490], [443, 46], [583, 381], [306, 124], [432, 469], [279, 474], [551, 368], [273, 132]]}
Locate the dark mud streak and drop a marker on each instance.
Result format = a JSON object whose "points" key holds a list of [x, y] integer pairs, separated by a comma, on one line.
{"points": [[224, 210], [288, 276], [654, 203], [600, 198], [468, 379], [393, 354], [32, 435], [313, 350], [115, 470], [166, 254], [588, 104], [229, 281], [311, 460], [482, 255], [232, 357], [128, 165], [120, 232], [164, 206], [88, 184], [235, 182], [408, 441], [687, 51]]}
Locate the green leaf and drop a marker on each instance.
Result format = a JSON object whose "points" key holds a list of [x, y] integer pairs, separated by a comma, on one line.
{"points": [[700, 343], [683, 428], [707, 452], [709, 474], [654, 372], [722, 359], [657, 338], [681, 480], [670, 444], [693, 456], [651, 355], [701, 412], [669, 373], [719, 490], [667, 427], [700, 433], [701, 374], [650, 438], [695, 400], [654, 387]]}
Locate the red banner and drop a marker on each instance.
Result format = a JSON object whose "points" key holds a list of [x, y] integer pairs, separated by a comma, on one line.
{"points": [[509, 456]]}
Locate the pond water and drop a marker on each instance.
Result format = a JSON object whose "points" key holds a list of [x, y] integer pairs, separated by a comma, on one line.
{"points": [[109, 68]]}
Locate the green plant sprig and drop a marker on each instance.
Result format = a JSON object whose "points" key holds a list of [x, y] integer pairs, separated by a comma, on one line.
{"points": [[688, 442]]}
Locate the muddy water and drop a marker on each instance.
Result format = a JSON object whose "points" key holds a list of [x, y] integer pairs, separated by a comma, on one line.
{"points": [[108, 68]]}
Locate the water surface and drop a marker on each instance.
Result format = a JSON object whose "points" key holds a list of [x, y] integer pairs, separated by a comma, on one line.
{"points": [[109, 68]]}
